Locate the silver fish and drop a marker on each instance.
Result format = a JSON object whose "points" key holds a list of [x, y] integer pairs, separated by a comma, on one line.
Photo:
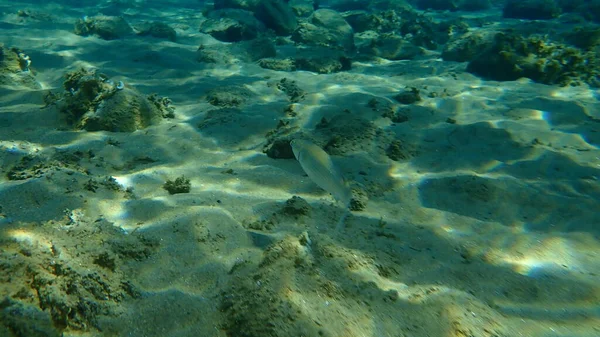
{"points": [[320, 169]]}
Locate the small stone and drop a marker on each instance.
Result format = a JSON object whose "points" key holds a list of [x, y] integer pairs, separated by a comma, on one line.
{"points": [[296, 206]]}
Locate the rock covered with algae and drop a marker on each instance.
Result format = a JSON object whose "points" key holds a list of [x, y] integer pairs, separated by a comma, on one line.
{"points": [[15, 68], [93, 102]]}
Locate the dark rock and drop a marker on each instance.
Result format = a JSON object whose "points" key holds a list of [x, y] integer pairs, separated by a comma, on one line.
{"points": [[511, 57], [249, 5], [454, 5], [158, 30], [21, 320], [585, 38], [106, 27], [391, 47], [531, 9], [590, 10], [277, 15], [325, 28], [382, 22], [231, 96], [408, 96], [296, 206], [255, 50], [280, 149], [323, 64], [232, 25], [466, 47], [278, 64]]}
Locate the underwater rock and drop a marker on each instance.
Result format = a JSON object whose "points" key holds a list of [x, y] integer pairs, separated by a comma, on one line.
{"points": [[458, 5], [474, 5], [303, 8], [361, 20], [381, 33], [409, 96], [426, 33], [568, 6], [248, 304], [400, 34], [341, 135], [391, 47], [583, 37], [213, 55], [348, 5], [296, 207], [292, 90], [15, 68], [229, 126], [157, 29], [363, 42], [277, 144], [325, 28], [511, 56], [93, 102], [277, 15], [590, 10], [23, 320], [400, 150], [38, 165], [243, 51], [381, 22], [29, 14], [254, 50], [360, 199], [60, 283], [279, 149], [125, 111], [216, 118], [278, 64], [324, 66], [322, 60], [106, 27], [531, 9], [466, 46], [440, 5], [232, 25], [249, 5], [231, 96], [347, 133]]}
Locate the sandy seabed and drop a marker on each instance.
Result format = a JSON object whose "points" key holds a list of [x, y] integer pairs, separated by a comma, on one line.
{"points": [[489, 226]]}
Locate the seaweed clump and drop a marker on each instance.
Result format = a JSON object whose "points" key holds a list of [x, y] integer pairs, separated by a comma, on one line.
{"points": [[179, 185]]}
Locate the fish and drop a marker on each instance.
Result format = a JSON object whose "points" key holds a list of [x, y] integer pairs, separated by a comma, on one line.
{"points": [[317, 164]]}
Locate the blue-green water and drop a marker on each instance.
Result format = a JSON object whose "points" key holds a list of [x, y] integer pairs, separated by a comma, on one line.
{"points": [[148, 186]]}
